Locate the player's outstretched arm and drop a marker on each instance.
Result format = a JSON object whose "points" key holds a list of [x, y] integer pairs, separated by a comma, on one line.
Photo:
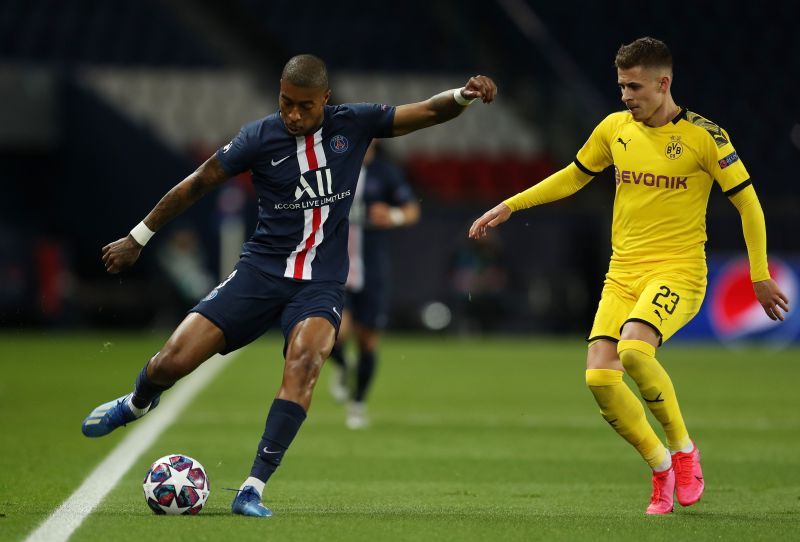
{"points": [[490, 219], [767, 291], [442, 107], [560, 184], [123, 253]]}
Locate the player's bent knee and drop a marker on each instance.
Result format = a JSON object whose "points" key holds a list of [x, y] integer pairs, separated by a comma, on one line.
{"points": [[304, 366], [602, 354], [633, 352], [634, 330]]}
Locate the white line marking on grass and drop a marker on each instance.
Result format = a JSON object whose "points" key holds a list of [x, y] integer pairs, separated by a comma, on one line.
{"points": [[141, 435]]}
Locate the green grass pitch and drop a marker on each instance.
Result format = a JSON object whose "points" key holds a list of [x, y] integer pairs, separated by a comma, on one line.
{"points": [[494, 439]]}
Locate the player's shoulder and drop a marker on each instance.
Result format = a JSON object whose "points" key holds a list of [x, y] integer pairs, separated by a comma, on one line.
{"points": [[263, 126], [616, 120], [619, 117], [704, 128], [356, 116], [340, 112], [354, 109]]}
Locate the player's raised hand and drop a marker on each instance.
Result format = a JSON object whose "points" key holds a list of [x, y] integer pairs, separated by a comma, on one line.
{"points": [[491, 218], [481, 87], [121, 254], [771, 298]]}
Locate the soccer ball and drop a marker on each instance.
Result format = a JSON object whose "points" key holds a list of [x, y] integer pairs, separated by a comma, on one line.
{"points": [[176, 484]]}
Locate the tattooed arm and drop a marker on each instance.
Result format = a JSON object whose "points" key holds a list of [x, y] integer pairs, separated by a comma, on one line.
{"points": [[123, 253], [442, 107]]}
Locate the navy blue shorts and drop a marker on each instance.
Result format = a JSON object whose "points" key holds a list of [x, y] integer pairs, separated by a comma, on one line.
{"points": [[249, 302], [368, 306]]}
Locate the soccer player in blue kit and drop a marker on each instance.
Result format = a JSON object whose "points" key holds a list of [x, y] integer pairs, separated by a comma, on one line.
{"points": [[383, 201], [305, 161]]}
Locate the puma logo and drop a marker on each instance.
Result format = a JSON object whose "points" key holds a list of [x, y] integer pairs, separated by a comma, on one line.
{"points": [[624, 143]]}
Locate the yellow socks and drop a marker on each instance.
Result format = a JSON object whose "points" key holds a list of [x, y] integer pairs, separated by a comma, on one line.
{"points": [[623, 411], [638, 358]]}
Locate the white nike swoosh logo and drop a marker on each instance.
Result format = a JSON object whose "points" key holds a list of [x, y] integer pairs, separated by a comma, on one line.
{"points": [[276, 162], [267, 451], [337, 313]]}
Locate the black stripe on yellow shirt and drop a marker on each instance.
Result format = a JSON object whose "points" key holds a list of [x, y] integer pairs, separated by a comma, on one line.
{"points": [[585, 169], [739, 187]]}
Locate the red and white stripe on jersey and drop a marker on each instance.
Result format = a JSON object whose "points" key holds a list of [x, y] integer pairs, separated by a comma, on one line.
{"points": [[310, 153], [310, 156], [298, 264]]}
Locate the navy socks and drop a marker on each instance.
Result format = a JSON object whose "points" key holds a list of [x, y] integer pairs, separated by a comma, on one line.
{"points": [[283, 423], [337, 355], [146, 390], [366, 370]]}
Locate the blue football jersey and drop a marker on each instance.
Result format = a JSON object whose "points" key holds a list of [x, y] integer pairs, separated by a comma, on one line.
{"points": [[382, 182], [305, 187]]}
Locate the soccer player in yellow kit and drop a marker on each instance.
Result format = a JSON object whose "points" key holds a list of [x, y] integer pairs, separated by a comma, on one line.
{"points": [[666, 159]]}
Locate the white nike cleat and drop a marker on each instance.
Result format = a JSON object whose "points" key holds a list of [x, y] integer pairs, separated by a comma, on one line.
{"points": [[357, 416], [337, 384]]}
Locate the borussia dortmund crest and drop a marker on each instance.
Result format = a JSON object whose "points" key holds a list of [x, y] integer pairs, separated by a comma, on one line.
{"points": [[674, 148]]}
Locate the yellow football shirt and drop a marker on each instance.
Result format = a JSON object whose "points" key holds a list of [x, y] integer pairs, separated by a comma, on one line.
{"points": [[664, 176]]}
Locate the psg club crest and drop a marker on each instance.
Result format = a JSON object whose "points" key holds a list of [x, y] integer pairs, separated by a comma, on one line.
{"points": [[339, 144]]}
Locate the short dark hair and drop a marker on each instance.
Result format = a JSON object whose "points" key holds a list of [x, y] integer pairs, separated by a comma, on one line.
{"points": [[307, 71], [646, 52]]}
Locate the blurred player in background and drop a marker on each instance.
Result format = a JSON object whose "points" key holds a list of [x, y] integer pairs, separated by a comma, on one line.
{"points": [[305, 161], [383, 201], [666, 160]]}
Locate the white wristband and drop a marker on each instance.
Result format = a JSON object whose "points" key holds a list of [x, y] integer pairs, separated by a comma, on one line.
{"points": [[397, 216], [141, 233], [460, 99]]}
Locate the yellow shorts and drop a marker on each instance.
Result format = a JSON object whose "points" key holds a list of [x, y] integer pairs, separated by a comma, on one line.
{"points": [[665, 298]]}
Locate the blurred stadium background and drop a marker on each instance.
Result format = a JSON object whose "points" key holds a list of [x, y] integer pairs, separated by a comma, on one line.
{"points": [[104, 105]]}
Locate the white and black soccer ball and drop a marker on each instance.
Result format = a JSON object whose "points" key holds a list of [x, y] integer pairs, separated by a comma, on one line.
{"points": [[176, 484]]}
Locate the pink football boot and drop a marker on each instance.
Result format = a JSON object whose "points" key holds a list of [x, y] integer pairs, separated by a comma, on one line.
{"points": [[689, 476], [663, 488]]}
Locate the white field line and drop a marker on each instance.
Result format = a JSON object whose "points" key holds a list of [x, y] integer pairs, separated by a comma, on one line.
{"points": [[69, 516]]}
